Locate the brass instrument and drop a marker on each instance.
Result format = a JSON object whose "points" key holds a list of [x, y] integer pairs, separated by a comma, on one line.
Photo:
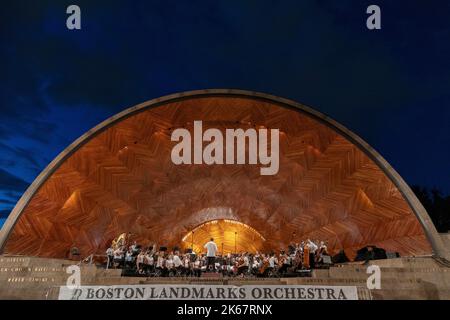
{"points": [[119, 241]]}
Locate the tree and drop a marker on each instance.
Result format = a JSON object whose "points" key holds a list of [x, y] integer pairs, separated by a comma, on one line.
{"points": [[437, 206]]}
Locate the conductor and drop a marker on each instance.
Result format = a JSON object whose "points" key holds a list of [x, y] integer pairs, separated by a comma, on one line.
{"points": [[211, 249]]}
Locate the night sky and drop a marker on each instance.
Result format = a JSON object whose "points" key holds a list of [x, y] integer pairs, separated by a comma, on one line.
{"points": [[390, 86]]}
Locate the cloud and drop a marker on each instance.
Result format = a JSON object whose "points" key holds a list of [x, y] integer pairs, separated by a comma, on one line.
{"points": [[7, 202], [18, 152], [11, 182], [56, 83]]}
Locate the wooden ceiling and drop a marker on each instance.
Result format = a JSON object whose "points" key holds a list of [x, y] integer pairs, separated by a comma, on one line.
{"points": [[123, 180]]}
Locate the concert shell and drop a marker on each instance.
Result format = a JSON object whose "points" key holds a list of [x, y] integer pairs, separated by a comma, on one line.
{"points": [[119, 177]]}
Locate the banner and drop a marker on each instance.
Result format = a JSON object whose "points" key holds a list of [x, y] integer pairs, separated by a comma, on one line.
{"points": [[208, 292]]}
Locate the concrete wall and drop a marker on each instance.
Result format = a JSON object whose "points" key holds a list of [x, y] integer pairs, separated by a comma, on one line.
{"points": [[446, 240], [402, 278]]}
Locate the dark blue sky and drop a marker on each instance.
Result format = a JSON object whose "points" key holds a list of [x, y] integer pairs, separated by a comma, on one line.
{"points": [[391, 86]]}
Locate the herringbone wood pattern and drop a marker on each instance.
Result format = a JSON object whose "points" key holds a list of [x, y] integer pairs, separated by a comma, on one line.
{"points": [[124, 180]]}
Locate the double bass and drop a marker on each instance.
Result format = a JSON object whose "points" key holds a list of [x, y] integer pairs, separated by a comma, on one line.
{"points": [[306, 251], [239, 263], [298, 260]]}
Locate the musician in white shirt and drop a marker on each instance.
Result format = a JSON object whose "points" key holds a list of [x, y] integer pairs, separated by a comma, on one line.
{"points": [[211, 250], [140, 262], [187, 264], [197, 267], [243, 263], [118, 257], [256, 263], [312, 252], [312, 246], [149, 259], [161, 262], [273, 261], [169, 262], [129, 258], [246, 260], [176, 260], [110, 256], [134, 248]]}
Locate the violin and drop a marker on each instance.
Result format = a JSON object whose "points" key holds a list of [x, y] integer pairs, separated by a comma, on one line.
{"points": [[282, 260], [264, 266], [240, 262]]}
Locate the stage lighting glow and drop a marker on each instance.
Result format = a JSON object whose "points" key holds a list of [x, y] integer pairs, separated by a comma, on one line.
{"points": [[229, 235]]}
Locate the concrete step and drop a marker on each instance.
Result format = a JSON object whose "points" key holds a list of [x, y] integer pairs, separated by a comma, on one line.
{"points": [[411, 294]]}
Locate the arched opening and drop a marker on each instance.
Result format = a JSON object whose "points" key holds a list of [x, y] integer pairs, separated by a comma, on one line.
{"points": [[231, 236]]}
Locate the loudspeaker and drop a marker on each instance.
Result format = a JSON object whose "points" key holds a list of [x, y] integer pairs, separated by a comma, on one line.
{"points": [[392, 255], [327, 260]]}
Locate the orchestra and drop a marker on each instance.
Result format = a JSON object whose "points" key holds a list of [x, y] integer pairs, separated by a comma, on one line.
{"points": [[163, 263]]}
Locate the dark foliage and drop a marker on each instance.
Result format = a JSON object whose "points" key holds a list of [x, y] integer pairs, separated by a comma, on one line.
{"points": [[437, 205]]}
